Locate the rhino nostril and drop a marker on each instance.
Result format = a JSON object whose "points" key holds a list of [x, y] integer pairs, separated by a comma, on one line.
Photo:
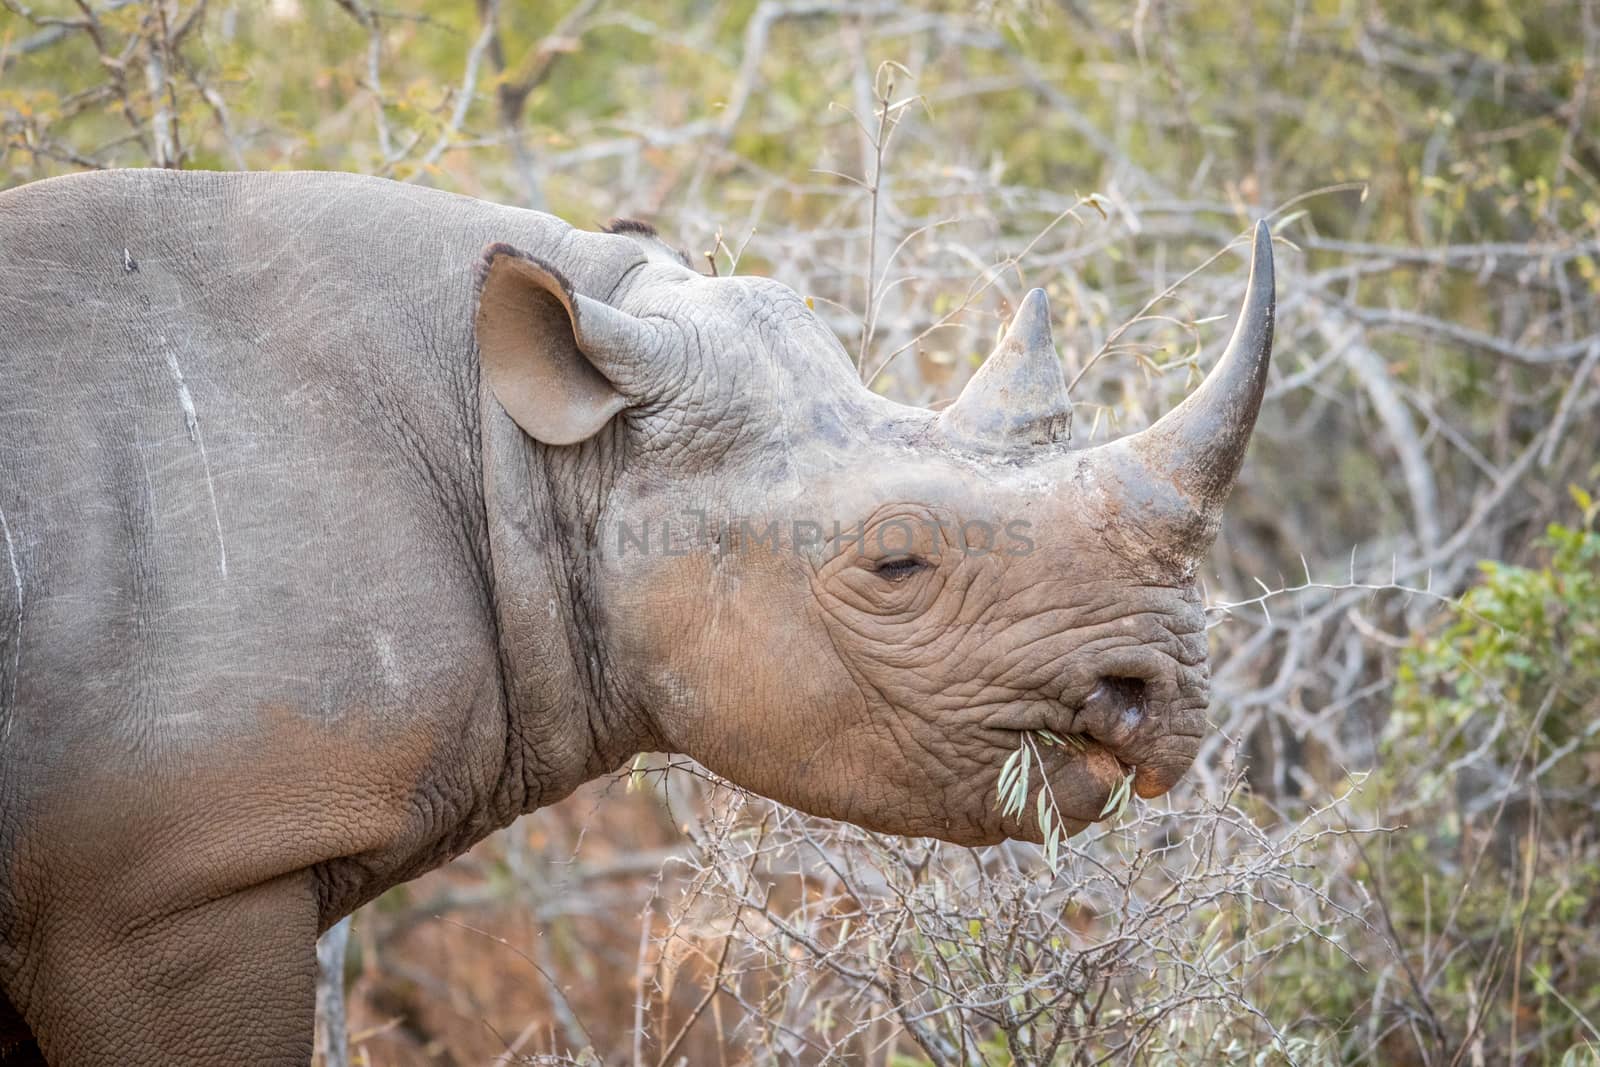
{"points": [[1127, 695], [1116, 708]]}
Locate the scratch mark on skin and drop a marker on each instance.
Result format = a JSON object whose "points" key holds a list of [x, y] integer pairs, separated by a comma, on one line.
{"points": [[16, 657], [192, 421]]}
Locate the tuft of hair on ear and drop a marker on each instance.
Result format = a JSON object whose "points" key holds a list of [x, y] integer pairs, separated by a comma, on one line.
{"points": [[630, 226], [643, 231], [491, 252], [499, 250]]}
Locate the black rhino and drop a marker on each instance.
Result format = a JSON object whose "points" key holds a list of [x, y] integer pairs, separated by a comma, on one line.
{"points": [[345, 521]]}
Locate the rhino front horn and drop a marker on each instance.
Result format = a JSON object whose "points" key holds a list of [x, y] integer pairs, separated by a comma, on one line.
{"points": [[1019, 395], [1198, 446]]}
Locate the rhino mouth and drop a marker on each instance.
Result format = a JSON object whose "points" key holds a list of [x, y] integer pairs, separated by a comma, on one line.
{"points": [[1118, 730], [1155, 740], [1082, 776], [1092, 741]]}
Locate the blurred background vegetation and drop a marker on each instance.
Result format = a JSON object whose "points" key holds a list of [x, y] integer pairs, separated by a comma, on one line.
{"points": [[1389, 850]]}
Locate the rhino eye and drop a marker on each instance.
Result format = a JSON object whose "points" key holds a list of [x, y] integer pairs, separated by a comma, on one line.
{"points": [[899, 568]]}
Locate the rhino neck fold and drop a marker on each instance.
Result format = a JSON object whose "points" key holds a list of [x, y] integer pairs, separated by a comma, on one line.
{"points": [[564, 726]]}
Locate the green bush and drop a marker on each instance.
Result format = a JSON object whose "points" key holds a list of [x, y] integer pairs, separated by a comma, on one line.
{"points": [[1491, 885], [1512, 681]]}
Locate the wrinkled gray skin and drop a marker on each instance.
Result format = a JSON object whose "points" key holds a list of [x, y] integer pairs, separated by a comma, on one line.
{"points": [[318, 566]]}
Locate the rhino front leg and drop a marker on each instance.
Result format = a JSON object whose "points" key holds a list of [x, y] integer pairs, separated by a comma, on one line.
{"points": [[228, 981]]}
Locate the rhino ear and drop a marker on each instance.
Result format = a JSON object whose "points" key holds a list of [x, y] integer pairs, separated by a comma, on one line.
{"points": [[557, 361]]}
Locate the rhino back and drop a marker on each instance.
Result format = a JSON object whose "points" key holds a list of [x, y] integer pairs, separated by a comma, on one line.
{"points": [[241, 493]]}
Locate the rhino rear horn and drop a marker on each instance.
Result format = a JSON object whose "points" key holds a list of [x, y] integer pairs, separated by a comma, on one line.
{"points": [[1019, 395]]}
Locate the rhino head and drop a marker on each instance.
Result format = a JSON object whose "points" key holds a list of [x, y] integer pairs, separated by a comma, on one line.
{"points": [[843, 603]]}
